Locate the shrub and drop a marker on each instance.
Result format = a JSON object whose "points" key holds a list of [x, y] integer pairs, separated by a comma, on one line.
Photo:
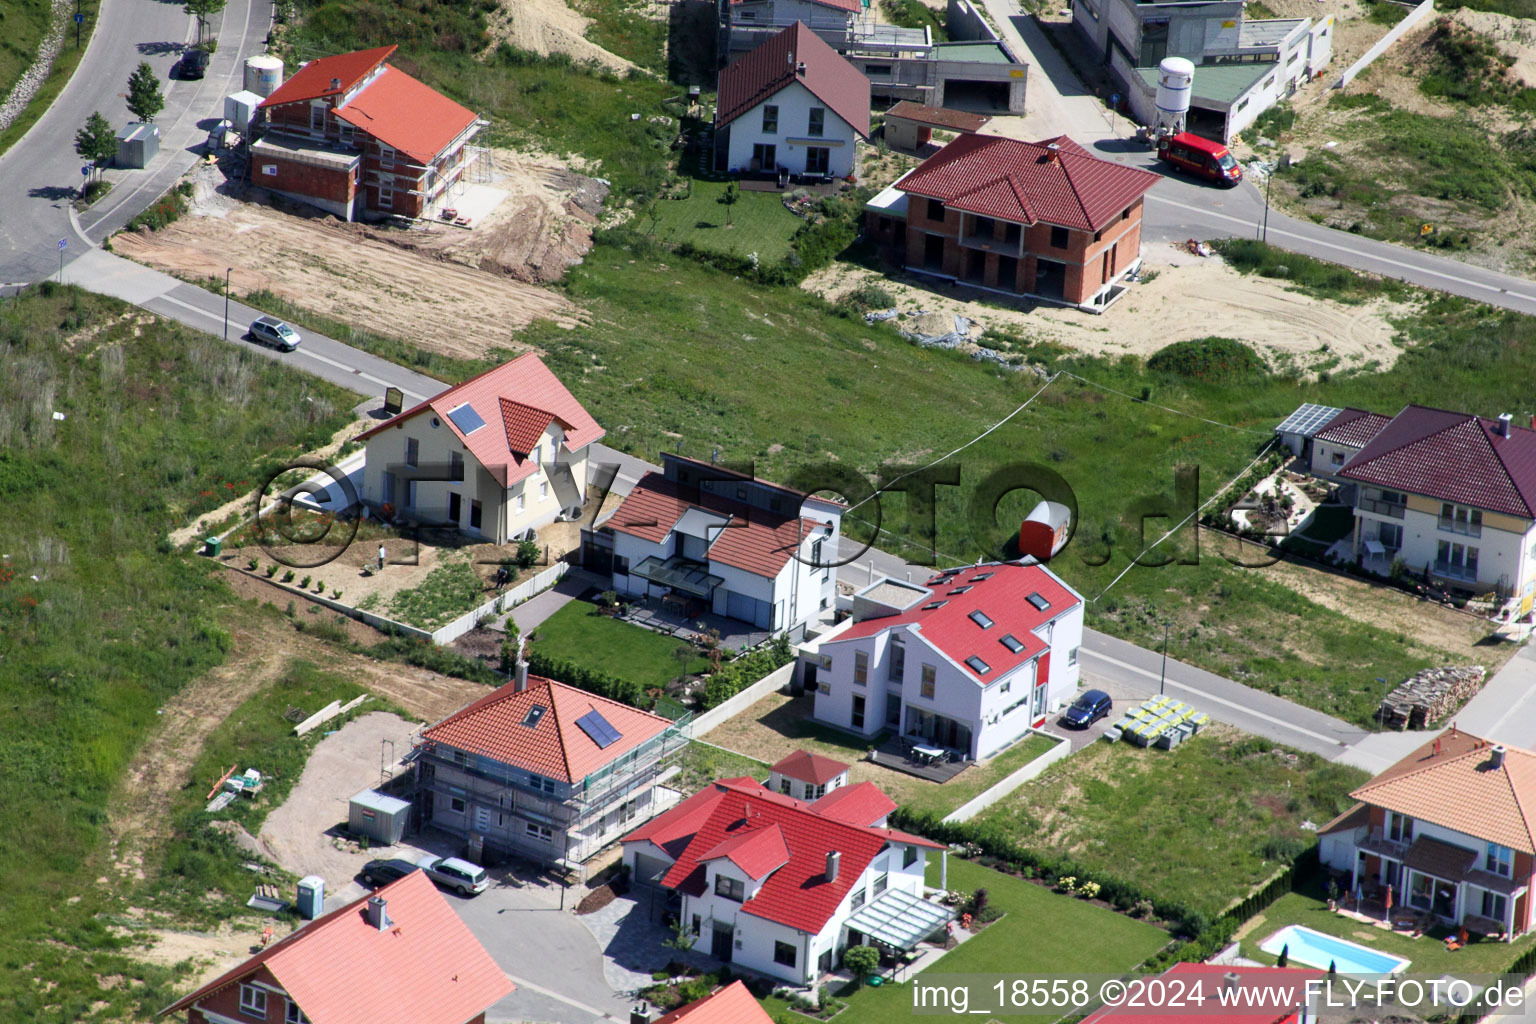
{"points": [[1212, 359], [1066, 883], [304, 583], [978, 901], [743, 672], [660, 976], [869, 296], [288, 576], [271, 571], [862, 961], [527, 553], [1088, 890]]}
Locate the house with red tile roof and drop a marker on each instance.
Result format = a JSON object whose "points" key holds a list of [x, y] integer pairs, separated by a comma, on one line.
{"points": [[709, 538], [498, 456], [1450, 829], [546, 771], [791, 106], [1451, 494], [807, 776], [780, 886], [732, 1004], [397, 954], [1257, 995], [970, 660], [1043, 219], [358, 137]]}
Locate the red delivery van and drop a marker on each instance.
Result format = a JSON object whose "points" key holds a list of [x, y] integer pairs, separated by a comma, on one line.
{"points": [[1200, 156]]}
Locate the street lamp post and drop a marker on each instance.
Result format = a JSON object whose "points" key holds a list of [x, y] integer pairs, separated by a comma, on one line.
{"points": [[1268, 181], [1382, 707], [1162, 677], [227, 272]]}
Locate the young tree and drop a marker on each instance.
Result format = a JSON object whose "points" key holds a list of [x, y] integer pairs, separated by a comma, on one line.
{"points": [[203, 10], [728, 199], [96, 141], [144, 97], [862, 961]]}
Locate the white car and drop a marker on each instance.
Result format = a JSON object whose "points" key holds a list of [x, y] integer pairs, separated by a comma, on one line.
{"points": [[453, 873], [271, 331]]}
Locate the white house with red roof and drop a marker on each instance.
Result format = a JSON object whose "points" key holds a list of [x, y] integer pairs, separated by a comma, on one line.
{"points": [[730, 1004], [1044, 219], [545, 770], [358, 137], [716, 540], [1451, 494], [398, 954], [807, 776], [781, 886], [971, 660], [498, 456], [792, 105]]}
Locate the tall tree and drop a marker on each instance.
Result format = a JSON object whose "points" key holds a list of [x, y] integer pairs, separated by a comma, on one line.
{"points": [[96, 141], [144, 97], [202, 10]]}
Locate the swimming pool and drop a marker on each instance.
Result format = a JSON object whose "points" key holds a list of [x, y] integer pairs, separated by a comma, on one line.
{"points": [[1314, 949]]}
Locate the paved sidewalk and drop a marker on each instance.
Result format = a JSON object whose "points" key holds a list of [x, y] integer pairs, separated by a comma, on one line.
{"points": [[539, 607]]}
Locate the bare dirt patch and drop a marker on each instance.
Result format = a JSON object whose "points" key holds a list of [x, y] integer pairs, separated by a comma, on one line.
{"points": [[549, 26], [1516, 37], [459, 292], [1189, 298]]}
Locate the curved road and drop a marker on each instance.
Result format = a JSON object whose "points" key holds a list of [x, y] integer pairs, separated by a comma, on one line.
{"points": [[40, 172]]}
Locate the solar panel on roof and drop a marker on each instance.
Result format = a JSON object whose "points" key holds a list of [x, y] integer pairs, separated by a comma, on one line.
{"points": [[978, 666], [466, 419], [596, 726], [1039, 602], [535, 713], [1308, 419]]}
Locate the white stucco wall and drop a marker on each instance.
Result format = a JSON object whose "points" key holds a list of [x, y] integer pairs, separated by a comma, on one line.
{"points": [[791, 141]]}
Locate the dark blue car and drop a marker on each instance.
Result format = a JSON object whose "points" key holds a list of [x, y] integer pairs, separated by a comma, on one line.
{"points": [[1087, 709]]}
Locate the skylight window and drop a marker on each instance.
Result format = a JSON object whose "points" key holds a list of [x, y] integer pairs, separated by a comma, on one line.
{"points": [[982, 576], [931, 605], [535, 713], [1011, 642], [596, 726], [978, 666], [1039, 602], [466, 419], [959, 590], [980, 618]]}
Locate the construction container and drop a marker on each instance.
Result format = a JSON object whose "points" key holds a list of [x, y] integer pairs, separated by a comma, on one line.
{"points": [[311, 900], [379, 817], [137, 145], [240, 109], [263, 74]]}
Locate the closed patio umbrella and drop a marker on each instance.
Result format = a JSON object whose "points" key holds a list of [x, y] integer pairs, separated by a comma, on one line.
{"points": [[1388, 912]]}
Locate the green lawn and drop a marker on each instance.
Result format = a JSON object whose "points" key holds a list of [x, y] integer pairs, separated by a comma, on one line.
{"points": [[1200, 824], [1042, 932], [600, 643], [1427, 953], [759, 222], [159, 419], [974, 780], [703, 764]]}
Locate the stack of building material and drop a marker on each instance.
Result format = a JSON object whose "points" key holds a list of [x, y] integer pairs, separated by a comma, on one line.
{"points": [[1431, 695]]}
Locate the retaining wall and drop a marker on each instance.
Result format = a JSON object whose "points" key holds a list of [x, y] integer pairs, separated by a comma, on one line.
{"points": [[1402, 28], [980, 802], [770, 683]]}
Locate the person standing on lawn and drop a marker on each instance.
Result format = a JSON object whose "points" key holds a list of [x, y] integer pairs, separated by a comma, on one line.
{"points": [[382, 555]]}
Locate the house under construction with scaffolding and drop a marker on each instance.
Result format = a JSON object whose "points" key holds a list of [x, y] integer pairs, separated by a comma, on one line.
{"points": [[362, 139], [545, 771]]}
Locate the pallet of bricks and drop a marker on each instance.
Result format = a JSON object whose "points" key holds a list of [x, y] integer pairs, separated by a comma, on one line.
{"points": [[1430, 695]]}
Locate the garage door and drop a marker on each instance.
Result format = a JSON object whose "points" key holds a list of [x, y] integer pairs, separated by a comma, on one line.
{"points": [[747, 609], [649, 869]]}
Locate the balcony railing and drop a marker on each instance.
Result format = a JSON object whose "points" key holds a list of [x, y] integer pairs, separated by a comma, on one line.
{"points": [[1382, 508], [1455, 571], [1456, 526], [990, 244]]}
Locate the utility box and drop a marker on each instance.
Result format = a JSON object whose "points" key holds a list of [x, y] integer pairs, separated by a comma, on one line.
{"points": [[311, 897], [212, 546], [240, 109], [137, 145], [379, 817]]}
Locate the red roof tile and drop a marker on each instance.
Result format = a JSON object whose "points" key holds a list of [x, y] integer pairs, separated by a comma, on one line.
{"points": [[1270, 981], [1029, 182], [555, 747], [428, 968], [407, 114], [525, 425], [732, 1004], [756, 76], [1002, 596], [743, 816], [1452, 456], [862, 803], [527, 382], [755, 851], [757, 540], [313, 80], [808, 767], [673, 829], [1352, 427]]}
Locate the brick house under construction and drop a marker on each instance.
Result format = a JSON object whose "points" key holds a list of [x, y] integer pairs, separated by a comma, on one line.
{"points": [[361, 139]]}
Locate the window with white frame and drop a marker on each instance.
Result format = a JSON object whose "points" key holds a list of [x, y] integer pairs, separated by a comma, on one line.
{"points": [[540, 832], [456, 805], [882, 880], [730, 888], [1499, 860], [253, 1001], [543, 489], [860, 668]]}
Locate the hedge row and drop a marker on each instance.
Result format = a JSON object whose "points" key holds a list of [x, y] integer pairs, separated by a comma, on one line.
{"points": [[626, 691], [721, 686]]}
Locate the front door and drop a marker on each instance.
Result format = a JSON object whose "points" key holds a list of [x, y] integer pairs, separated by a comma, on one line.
{"points": [[810, 678], [455, 506], [764, 157], [723, 941], [857, 720]]}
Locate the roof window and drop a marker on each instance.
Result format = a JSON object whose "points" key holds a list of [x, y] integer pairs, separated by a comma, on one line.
{"points": [[1011, 642], [1039, 602], [980, 618], [978, 666], [535, 713], [931, 605]]}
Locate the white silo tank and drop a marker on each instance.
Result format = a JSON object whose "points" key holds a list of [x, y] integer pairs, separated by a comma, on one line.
{"points": [[263, 74], [1175, 80]]}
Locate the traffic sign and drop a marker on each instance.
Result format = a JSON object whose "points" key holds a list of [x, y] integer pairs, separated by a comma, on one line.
{"points": [[79, 18], [62, 243], [1114, 99], [85, 171]]}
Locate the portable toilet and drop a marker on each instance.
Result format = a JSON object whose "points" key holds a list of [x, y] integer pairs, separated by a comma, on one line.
{"points": [[137, 144], [240, 109], [379, 817], [311, 897]]}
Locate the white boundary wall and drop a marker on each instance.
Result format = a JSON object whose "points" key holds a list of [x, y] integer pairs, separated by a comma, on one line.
{"points": [[770, 683], [980, 802], [1399, 30]]}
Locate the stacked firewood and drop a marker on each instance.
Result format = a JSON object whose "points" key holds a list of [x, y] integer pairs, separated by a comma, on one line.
{"points": [[1430, 695]]}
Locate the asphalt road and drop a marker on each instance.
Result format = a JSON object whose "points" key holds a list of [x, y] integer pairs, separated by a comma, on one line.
{"points": [[39, 174]]}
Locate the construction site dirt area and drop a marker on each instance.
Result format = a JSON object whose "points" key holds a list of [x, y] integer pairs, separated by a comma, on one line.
{"points": [[1188, 297], [461, 292]]}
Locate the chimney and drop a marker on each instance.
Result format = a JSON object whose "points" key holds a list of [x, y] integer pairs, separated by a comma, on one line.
{"points": [[520, 668], [1052, 153], [335, 84], [377, 916], [1229, 981], [1496, 757], [1504, 421], [834, 859]]}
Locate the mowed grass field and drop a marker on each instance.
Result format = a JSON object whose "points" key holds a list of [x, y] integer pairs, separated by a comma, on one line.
{"points": [[600, 643], [758, 222], [100, 620]]}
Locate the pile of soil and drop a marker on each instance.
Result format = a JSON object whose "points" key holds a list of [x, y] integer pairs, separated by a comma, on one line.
{"points": [[596, 900]]}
